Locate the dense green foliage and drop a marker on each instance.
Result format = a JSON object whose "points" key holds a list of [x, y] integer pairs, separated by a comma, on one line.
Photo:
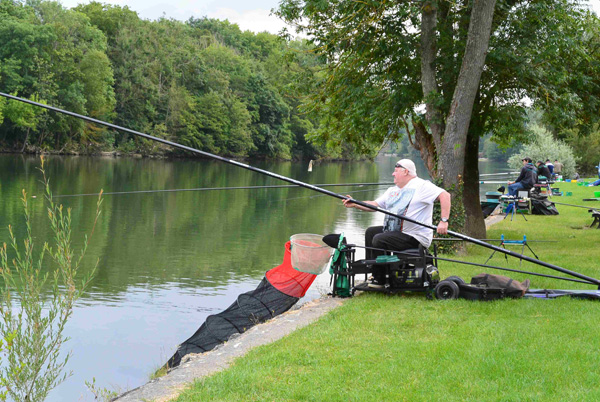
{"points": [[544, 146], [498, 152], [579, 147], [587, 148], [2, 101], [372, 85], [411, 349], [203, 83]]}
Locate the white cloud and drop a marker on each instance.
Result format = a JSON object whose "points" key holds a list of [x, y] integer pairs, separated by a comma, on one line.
{"points": [[594, 6], [253, 20]]}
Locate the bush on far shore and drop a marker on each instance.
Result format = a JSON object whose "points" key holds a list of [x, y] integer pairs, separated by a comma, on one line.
{"points": [[543, 147]]}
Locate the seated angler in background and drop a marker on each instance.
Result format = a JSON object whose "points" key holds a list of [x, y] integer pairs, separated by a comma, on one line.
{"points": [[527, 178], [557, 168], [550, 167], [543, 171], [412, 197]]}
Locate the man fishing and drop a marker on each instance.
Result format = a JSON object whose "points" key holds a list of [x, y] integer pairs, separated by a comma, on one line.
{"points": [[543, 170], [527, 178], [550, 167], [412, 197]]}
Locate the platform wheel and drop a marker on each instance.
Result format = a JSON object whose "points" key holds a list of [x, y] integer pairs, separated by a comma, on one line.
{"points": [[447, 290], [456, 279]]}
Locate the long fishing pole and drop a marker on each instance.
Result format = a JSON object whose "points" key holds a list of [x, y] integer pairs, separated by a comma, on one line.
{"points": [[497, 174], [312, 197], [573, 205], [221, 188], [562, 278], [504, 240], [299, 183], [410, 254]]}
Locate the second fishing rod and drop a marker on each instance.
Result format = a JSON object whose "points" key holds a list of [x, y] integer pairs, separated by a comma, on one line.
{"points": [[306, 185]]}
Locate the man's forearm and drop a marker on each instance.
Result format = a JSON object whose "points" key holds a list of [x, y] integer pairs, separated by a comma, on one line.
{"points": [[365, 208], [445, 204]]}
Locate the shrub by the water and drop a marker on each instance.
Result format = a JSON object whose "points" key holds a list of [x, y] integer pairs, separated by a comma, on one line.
{"points": [[36, 303]]}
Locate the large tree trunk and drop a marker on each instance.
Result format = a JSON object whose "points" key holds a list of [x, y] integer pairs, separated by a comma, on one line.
{"points": [[453, 149], [428, 71], [425, 145], [474, 222]]}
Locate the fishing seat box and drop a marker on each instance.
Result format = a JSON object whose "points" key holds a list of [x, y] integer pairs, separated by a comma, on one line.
{"points": [[410, 257], [411, 272]]}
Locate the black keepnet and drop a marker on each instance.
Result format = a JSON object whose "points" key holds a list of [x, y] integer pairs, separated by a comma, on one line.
{"points": [[250, 308]]}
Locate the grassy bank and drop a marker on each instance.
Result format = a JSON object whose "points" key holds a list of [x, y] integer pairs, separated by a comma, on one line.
{"points": [[408, 348]]}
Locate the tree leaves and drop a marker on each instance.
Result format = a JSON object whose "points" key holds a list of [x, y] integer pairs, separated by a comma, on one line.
{"points": [[543, 52], [204, 83]]}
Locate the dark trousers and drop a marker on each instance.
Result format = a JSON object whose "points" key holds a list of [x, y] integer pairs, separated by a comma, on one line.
{"points": [[396, 241]]}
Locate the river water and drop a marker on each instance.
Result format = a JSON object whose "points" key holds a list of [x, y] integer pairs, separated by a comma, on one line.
{"points": [[167, 260]]}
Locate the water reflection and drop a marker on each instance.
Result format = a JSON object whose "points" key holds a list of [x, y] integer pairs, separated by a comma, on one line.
{"points": [[167, 260]]}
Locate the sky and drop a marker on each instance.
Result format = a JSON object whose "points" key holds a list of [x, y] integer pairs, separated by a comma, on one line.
{"points": [[253, 15]]}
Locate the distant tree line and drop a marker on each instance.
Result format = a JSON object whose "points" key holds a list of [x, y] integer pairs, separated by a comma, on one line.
{"points": [[203, 83]]}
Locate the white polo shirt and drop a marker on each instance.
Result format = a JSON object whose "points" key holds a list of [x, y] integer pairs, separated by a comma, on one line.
{"points": [[415, 200]]}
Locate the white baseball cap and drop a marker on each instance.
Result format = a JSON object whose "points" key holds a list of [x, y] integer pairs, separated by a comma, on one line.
{"points": [[408, 165]]}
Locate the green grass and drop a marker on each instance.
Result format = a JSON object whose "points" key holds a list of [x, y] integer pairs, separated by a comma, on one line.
{"points": [[405, 347], [159, 372]]}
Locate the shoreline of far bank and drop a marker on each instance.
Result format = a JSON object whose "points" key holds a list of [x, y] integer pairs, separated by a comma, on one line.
{"points": [[171, 156]]}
